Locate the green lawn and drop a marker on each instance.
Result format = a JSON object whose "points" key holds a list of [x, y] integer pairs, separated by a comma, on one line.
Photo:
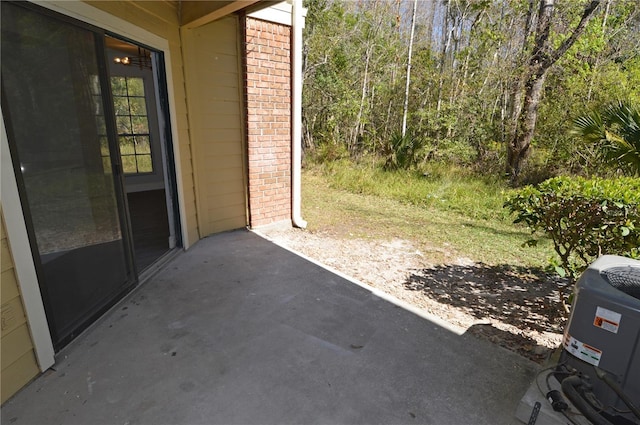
{"points": [[447, 213]]}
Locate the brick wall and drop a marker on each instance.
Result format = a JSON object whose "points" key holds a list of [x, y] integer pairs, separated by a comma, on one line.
{"points": [[268, 104]]}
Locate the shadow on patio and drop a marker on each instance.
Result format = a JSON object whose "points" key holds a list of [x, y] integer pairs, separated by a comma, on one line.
{"points": [[238, 330], [524, 298]]}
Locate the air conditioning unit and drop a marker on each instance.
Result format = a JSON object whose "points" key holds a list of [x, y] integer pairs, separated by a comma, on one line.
{"points": [[599, 367]]}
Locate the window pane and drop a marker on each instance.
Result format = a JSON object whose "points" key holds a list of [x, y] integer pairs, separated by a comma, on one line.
{"points": [[104, 147], [56, 113], [121, 105], [126, 146], [106, 165], [144, 163], [132, 123], [119, 86], [142, 145], [94, 85], [129, 164], [102, 129], [140, 125], [135, 86], [138, 106], [124, 124]]}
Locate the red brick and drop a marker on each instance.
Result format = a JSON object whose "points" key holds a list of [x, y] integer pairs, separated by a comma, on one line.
{"points": [[268, 107]]}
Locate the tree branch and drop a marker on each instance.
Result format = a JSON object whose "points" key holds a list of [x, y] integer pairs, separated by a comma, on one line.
{"points": [[566, 44]]}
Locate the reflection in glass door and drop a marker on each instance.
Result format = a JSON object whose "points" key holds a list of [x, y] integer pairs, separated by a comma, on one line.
{"points": [[132, 123], [143, 150], [56, 106]]}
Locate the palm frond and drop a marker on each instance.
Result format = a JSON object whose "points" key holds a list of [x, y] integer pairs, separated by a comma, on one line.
{"points": [[616, 130]]}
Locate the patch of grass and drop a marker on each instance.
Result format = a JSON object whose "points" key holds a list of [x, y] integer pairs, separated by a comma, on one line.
{"points": [[442, 187], [447, 213]]}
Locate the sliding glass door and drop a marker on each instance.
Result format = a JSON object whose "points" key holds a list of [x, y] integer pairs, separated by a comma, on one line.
{"points": [[57, 105]]}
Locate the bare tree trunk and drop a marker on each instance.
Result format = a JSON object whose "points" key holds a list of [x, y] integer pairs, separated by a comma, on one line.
{"points": [[446, 40], [365, 80], [515, 98], [462, 81], [521, 142], [541, 60], [594, 72], [406, 90], [430, 17]]}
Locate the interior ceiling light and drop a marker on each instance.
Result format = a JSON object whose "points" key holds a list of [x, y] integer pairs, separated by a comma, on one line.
{"points": [[142, 59]]}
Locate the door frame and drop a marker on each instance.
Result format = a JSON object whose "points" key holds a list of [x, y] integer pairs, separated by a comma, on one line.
{"points": [[24, 264], [11, 206]]}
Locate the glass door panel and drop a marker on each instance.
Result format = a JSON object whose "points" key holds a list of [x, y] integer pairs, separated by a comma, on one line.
{"points": [[54, 107], [143, 150]]}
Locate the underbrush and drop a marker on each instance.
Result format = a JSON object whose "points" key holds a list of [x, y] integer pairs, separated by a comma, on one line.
{"points": [[439, 186]]}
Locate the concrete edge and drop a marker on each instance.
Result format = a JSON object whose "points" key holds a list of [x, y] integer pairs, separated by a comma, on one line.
{"points": [[458, 330], [276, 225]]}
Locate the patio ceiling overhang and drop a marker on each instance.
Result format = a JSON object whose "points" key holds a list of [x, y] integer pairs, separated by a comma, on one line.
{"points": [[195, 13]]}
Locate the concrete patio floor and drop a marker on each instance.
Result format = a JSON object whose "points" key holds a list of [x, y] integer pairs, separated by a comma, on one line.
{"points": [[240, 331]]}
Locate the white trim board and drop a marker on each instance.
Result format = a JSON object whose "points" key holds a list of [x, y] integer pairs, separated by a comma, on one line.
{"points": [[22, 257], [279, 13], [96, 17]]}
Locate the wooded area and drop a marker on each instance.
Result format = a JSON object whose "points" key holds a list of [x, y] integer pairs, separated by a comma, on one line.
{"points": [[493, 84]]}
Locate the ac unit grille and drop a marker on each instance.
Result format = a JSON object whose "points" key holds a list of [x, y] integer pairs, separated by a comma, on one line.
{"points": [[625, 279]]}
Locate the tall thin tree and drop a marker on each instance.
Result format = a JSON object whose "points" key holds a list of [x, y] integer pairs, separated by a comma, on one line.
{"points": [[406, 90]]}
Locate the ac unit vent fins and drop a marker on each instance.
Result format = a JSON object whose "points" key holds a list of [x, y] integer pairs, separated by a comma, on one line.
{"points": [[625, 279]]}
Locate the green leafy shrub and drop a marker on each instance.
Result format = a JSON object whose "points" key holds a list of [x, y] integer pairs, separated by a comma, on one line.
{"points": [[585, 218]]}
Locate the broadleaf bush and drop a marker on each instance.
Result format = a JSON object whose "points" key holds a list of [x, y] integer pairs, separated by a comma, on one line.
{"points": [[585, 218]]}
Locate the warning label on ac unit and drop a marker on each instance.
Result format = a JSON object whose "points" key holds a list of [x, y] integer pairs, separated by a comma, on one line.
{"points": [[607, 320], [581, 350]]}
